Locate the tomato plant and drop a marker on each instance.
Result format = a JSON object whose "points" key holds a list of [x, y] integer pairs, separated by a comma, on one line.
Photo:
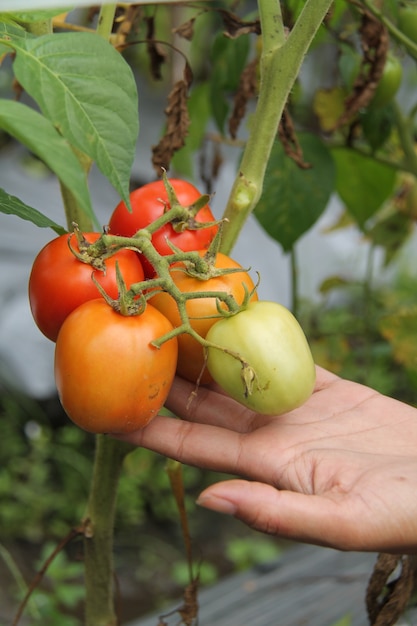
{"points": [[59, 282], [202, 311], [281, 372], [150, 202], [110, 379]]}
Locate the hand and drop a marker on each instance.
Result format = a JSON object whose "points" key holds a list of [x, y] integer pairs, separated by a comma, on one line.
{"points": [[340, 471]]}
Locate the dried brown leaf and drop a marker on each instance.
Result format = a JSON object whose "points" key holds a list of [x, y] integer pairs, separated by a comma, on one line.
{"points": [[289, 140], [177, 123], [157, 56], [185, 30], [374, 43], [386, 599], [236, 27], [246, 90]]}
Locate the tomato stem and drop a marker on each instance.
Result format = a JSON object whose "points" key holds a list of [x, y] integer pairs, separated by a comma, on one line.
{"points": [[98, 543], [280, 63]]}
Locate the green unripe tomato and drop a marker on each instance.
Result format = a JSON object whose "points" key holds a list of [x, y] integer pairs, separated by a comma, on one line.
{"points": [[277, 373], [407, 21], [389, 83]]}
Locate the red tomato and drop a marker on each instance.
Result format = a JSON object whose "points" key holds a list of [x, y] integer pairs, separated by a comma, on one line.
{"points": [[59, 282], [150, 202], [202, 312], [110, 379]]}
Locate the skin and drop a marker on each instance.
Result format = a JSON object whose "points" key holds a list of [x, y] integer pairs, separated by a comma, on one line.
{"points": [[340, 471]]}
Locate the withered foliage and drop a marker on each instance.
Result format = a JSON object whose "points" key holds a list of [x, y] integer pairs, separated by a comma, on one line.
{"points": [[246, 90], [387, 597], [188, 611], [289, 140], [177, 123], [374, 43], [235, 26], [186, 30], [210, 165], [156, 54]]}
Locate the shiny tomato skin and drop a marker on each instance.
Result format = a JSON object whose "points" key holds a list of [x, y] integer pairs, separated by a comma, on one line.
{"points": [[108, 376], [270, 340], [201, 311], [59, 282], [150, 202]]}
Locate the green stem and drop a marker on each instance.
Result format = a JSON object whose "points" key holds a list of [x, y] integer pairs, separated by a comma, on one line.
{"points": [[73, 212], [98, 543], [410, 45], [280, 64], [106, 20]]}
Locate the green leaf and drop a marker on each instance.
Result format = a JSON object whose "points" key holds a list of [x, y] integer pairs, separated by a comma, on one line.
{"points": [[293, 198], [88, 92], [28, 17], [13, 206], [40, 136], [363, 184]]}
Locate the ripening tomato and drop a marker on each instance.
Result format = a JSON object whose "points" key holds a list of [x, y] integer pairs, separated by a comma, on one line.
{"points": [[389, 82], [280, 375], [202, 312], [59, 282], [110, 379], [150, 202]]}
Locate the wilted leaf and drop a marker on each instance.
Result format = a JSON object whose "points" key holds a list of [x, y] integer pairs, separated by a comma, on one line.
{"points": [[178, 121], [293, 199]]}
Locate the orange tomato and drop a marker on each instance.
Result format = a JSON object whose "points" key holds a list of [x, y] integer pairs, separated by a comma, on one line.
{"points": [[202, 312], [110, 379]]}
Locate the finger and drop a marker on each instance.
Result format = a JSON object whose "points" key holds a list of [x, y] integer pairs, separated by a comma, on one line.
{"points": [[201, 445], [299, 517], [208, 405]]}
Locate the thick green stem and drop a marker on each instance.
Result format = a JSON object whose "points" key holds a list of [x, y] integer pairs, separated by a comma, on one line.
{"points": [[74, 214], [106, 20], [98, 543], [280, 64]]}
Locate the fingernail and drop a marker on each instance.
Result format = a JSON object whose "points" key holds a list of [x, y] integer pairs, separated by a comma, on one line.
{"points": [[217, 504]]}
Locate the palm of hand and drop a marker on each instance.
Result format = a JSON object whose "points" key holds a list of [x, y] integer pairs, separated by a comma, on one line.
{"points": [[340, 470]]}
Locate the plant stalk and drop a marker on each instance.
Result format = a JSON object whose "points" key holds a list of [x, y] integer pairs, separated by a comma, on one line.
{"points": [[98, 542], [280, 63]]}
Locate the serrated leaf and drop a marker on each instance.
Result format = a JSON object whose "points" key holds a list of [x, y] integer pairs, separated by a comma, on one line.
{"points": [[11, 205], [40, 136], [363, 184], [293, 199], [399, 329], [87, 90]]}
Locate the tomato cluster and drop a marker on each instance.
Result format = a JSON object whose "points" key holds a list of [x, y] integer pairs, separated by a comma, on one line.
{"points": [[115, 359]]}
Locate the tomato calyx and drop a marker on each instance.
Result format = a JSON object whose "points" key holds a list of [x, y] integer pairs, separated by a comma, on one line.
{"points": [[86, 252]]}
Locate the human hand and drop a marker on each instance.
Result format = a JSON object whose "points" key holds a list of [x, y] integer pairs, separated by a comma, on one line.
{"points": [[340, 471]]}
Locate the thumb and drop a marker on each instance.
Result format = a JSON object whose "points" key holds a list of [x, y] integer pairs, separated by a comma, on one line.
{"points": [[295, 516]]}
